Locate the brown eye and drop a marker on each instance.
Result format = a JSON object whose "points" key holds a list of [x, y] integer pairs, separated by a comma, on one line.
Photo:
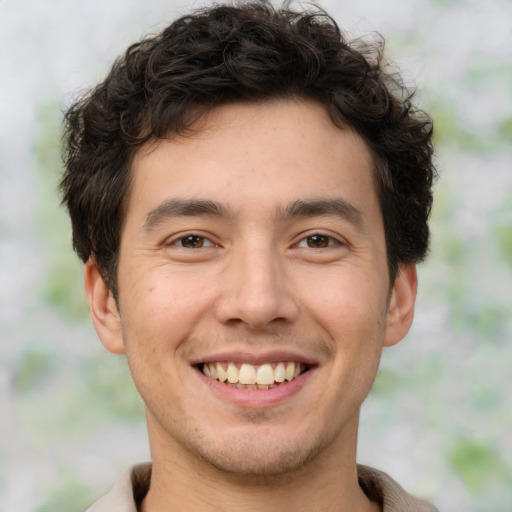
{"points": [[318, 241], [192, 242]]}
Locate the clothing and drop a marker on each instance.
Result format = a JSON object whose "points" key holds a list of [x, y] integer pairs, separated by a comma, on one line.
{"points": [[133, 485]]}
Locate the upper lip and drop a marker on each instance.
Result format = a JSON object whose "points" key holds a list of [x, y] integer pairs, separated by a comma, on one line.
{"points": [[256, 358]]}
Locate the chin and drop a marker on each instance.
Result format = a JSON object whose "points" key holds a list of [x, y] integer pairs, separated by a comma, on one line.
{"points": [[259, 457]]}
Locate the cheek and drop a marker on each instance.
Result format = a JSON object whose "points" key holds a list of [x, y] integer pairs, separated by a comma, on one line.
{"points": [[158, 317], [163, 308], [352, 314], [346, 300]]}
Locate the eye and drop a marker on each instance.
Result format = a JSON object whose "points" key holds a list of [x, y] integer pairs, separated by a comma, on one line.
{"points": [[193, 242], [318, 241]]}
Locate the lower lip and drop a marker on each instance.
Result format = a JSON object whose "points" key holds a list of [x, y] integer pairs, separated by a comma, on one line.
{"points": [[257, 398]]}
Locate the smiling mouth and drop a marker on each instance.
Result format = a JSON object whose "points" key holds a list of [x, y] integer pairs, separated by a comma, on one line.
{"points": [[248, 376]]}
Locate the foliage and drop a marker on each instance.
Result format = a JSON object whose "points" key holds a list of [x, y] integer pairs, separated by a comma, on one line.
{"points": [[478, 463], [34, 367], [61, 287], [503, 228], [108, 382], [69, 495]]}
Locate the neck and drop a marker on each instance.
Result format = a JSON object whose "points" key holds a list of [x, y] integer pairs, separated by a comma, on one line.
{"points": [[326, 482]]}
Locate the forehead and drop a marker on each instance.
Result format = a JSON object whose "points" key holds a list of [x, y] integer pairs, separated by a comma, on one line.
{"points": [[255, 156]]}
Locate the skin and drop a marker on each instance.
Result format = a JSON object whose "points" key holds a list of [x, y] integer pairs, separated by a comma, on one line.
{"points": [[262, 280]]}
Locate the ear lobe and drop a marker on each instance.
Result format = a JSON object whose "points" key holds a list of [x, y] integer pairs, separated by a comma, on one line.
{"points": [[103, 309], [401, 304]]}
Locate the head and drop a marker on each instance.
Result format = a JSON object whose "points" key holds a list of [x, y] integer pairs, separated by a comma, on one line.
{"points": [[252, 54], [250, 194]]}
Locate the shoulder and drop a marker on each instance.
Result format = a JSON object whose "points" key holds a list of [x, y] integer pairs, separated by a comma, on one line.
{"points": [[381, 488], [127, 492]]}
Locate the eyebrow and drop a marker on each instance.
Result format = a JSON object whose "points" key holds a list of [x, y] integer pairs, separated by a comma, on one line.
{"points": [[318, 207], [180, 207], [177, 207]]}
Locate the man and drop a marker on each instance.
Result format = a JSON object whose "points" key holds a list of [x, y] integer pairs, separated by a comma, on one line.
{"points": [[250, 194]]}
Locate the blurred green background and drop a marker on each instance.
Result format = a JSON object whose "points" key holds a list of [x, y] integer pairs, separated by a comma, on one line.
{"points": [[439, 418]]}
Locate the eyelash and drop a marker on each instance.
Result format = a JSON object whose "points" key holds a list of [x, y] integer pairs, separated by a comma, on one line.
{"points": [[331, 241], [321, 239], [179, 241]]}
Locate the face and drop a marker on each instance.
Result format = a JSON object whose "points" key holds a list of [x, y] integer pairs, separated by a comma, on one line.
{"points": [[254, 296]]}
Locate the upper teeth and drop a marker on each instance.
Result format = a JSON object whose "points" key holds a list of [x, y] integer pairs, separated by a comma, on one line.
{"points": [[247, 374]]}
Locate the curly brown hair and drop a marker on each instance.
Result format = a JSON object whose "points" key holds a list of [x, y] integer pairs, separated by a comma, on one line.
{"points": [[245, 53]]}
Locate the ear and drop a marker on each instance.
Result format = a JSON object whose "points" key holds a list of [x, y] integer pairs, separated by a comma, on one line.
{"points": [[103, 308], [401, 304]]}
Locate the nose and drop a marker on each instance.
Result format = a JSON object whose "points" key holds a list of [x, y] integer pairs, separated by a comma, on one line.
{"points": [[255, 292]]}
